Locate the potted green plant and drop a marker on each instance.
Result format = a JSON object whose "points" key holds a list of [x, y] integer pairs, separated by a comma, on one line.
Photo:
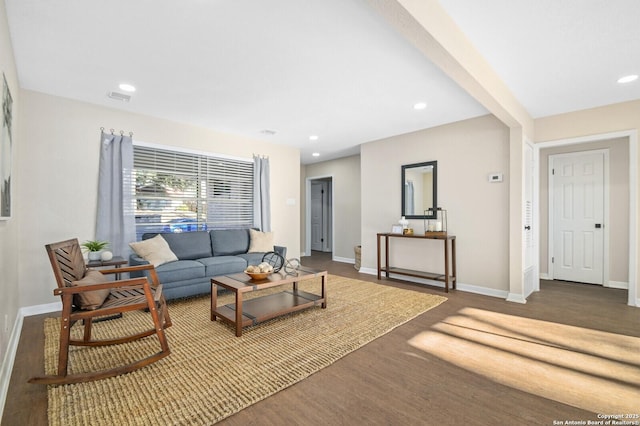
{"points": [[94, 247]]}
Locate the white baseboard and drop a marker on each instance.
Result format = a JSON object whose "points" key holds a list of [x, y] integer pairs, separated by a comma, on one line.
{"points": [[9, 359], [47, 308], [544, 276], [516, 298], [618, 284], [12, 348], [485, 291], [344, 260], [369, 271], [468, 288]]}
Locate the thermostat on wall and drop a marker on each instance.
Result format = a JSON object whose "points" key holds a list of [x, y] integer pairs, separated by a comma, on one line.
{"points": [[495, 177]]}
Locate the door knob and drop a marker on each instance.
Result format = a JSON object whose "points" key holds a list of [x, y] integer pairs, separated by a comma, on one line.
{"points": [[527, 228], [598, 225]]}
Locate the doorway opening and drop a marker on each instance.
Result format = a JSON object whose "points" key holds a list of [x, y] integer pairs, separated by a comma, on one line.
{"points": [[630, 213], [319, 215]]}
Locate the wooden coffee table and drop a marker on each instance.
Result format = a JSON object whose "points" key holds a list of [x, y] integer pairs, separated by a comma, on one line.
{"points": [[244, 313]]}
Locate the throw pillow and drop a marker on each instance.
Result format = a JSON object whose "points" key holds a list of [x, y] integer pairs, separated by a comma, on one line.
{"points": [[155, 250], [91, 300], [260, 241]]}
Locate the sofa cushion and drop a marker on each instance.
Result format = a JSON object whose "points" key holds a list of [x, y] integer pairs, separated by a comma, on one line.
{"points": [[223, 265], [227, 242], [261, 242], [154, 250], [180, 270], [187, 245], [252, 258], [188, 288]]}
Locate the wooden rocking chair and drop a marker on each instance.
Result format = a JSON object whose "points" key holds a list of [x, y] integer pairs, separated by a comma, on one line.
{"points": [[121, 296]]}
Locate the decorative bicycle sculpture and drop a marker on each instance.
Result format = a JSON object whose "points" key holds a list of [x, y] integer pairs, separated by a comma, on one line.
{"points": [[278, 262]]}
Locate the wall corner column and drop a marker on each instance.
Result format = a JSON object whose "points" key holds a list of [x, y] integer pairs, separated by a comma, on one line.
{"points": [[517, 140]]}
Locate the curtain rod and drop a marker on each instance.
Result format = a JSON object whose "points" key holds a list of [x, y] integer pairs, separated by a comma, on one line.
{"points": [[121, 132]]}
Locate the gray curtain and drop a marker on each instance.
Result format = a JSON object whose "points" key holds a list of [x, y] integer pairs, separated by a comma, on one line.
{"points": [[116, 208], [261, 194]]}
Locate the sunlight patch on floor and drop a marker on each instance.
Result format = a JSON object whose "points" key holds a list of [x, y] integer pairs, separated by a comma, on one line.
{"points": [[588, 369]]}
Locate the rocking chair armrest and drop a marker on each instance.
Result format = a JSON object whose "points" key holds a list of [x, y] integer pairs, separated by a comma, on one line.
{"points": [[133, 282], [127, 269], [155, 282]]}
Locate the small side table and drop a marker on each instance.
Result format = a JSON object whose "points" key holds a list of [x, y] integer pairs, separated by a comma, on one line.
{"points": [[116, 261]]}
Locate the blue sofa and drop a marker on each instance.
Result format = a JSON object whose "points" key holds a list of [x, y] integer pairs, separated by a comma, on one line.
{"points": [[202, 255]]}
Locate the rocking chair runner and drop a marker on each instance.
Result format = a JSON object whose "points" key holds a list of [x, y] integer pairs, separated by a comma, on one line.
{"points": [[124, 296]]}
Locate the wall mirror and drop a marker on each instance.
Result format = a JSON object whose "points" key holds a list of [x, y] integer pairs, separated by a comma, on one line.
{"points": [[419, 189]]}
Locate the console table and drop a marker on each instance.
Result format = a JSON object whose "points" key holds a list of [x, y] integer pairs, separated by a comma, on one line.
{"points": [[449, 242]]}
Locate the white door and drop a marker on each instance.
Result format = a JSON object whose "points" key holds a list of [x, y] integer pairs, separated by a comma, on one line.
{"points": [[317, 215], [577, 183]]}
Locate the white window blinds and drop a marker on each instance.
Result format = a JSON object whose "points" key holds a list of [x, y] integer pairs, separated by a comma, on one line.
{"points": [[181, 191]]}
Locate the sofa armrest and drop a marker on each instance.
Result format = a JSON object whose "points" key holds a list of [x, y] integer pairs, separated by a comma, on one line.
{"points": [[281, 250], [135, 260]]}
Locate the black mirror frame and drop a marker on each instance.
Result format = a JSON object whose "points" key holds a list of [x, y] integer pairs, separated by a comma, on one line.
{"points": [[435, 190]]}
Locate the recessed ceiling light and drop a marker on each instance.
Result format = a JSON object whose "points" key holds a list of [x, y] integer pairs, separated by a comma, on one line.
{"points": [[316, 154], [628, 78], [127, 87], [420, 105], [313, 137]]}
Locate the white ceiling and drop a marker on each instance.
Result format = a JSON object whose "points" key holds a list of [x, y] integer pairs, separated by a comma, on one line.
{"points": [[333, 68], [556, 56]]}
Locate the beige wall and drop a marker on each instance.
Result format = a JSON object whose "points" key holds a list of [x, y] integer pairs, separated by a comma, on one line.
{"points": [[478, 211], [594, 121], [10, 229], [618, 224], [345, 173], [62, 139]]}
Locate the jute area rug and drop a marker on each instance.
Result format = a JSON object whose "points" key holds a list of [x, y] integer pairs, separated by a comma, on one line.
{"points": [[211, 374]]}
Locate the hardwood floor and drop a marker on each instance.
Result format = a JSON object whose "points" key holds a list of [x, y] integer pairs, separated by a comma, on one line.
{"points": [[389, 382]]}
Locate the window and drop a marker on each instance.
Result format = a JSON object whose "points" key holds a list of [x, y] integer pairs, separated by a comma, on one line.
{"points": [[179, 191]]}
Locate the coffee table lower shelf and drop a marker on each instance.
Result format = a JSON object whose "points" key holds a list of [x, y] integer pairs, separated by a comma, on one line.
{"points": [[265, 308]]}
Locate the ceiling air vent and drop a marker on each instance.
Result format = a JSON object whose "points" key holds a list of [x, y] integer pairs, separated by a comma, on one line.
{"points": [[119, 96]]}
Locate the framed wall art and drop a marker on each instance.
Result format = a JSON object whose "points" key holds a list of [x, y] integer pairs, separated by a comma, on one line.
{"points": [[5, 152], [396, 229]]}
